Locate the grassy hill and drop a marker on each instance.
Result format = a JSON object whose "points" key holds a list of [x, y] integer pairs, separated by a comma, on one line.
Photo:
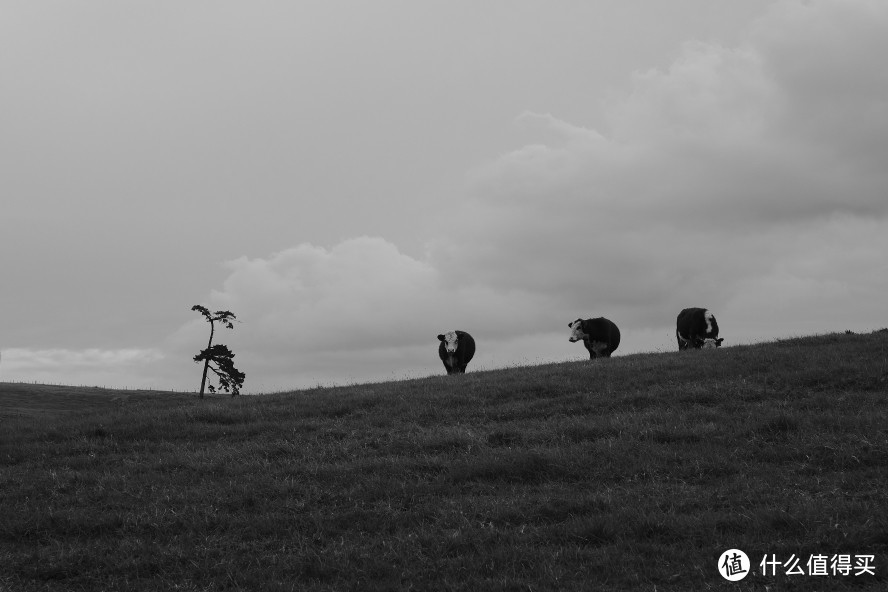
{"points": [[633, 473], [45, 401]]}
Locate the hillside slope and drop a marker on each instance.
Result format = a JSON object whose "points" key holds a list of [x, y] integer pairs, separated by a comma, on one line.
{"points": [[631, 473], [23, 400]]}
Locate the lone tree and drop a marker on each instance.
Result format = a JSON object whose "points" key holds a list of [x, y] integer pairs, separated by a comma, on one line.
{"points": [[218, 358]]}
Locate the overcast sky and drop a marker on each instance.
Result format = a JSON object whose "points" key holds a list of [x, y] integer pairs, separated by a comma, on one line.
{"points": [[352, 178]]}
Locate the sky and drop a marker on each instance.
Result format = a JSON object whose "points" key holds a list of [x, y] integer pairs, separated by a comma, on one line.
{"points": [[352, 178]]}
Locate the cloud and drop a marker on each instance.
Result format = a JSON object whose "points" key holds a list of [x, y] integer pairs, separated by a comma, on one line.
{"points": [[319, 300], [705, 173], [358, 310], [120, 368], [19, 359], [830, 275], [739, 178]]}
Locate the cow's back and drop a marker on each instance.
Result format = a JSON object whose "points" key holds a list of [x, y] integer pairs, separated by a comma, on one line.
{"points": [[466, 348], [601, 330], [689, 320], [694, 326]]}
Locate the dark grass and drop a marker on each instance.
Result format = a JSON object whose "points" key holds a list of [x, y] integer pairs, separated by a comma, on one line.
{"points": [[632, 473], [46, 401]]}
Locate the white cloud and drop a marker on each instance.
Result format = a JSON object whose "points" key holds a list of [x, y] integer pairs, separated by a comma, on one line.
{"points": [[119, 368], [706, 172], [830, 275], [356, 311], [20, 359], [749, 179], [310, 299], [719, 182]]}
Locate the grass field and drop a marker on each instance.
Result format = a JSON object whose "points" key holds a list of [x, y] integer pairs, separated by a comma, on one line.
{"points": [[630, 473]]}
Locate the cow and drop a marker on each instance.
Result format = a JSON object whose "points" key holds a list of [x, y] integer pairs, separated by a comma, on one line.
{"points": [[456, 350], [696, 328], [600, 336]]}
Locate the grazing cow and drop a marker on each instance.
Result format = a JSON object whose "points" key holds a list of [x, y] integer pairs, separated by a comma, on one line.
{"points": [[456, 350], [600, 336], [696, 328]]}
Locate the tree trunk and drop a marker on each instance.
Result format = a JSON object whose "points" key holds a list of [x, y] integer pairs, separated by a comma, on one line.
{"points": [[203, 379]]}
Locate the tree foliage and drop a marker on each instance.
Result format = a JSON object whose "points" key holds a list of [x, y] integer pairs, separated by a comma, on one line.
{"points": [[219, 358]]}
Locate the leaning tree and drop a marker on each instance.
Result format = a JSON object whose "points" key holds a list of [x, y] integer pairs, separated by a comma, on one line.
{"points": [[219, 358]]}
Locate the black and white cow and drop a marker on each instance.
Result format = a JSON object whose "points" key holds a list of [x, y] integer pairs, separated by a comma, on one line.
{"points": [[456, 350], [696, 328], [600, 336]]}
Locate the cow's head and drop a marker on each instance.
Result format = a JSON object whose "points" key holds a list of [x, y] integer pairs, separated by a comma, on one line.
{"points": [[709, 343], [576, 331], [451, 340], [699, 342]]}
